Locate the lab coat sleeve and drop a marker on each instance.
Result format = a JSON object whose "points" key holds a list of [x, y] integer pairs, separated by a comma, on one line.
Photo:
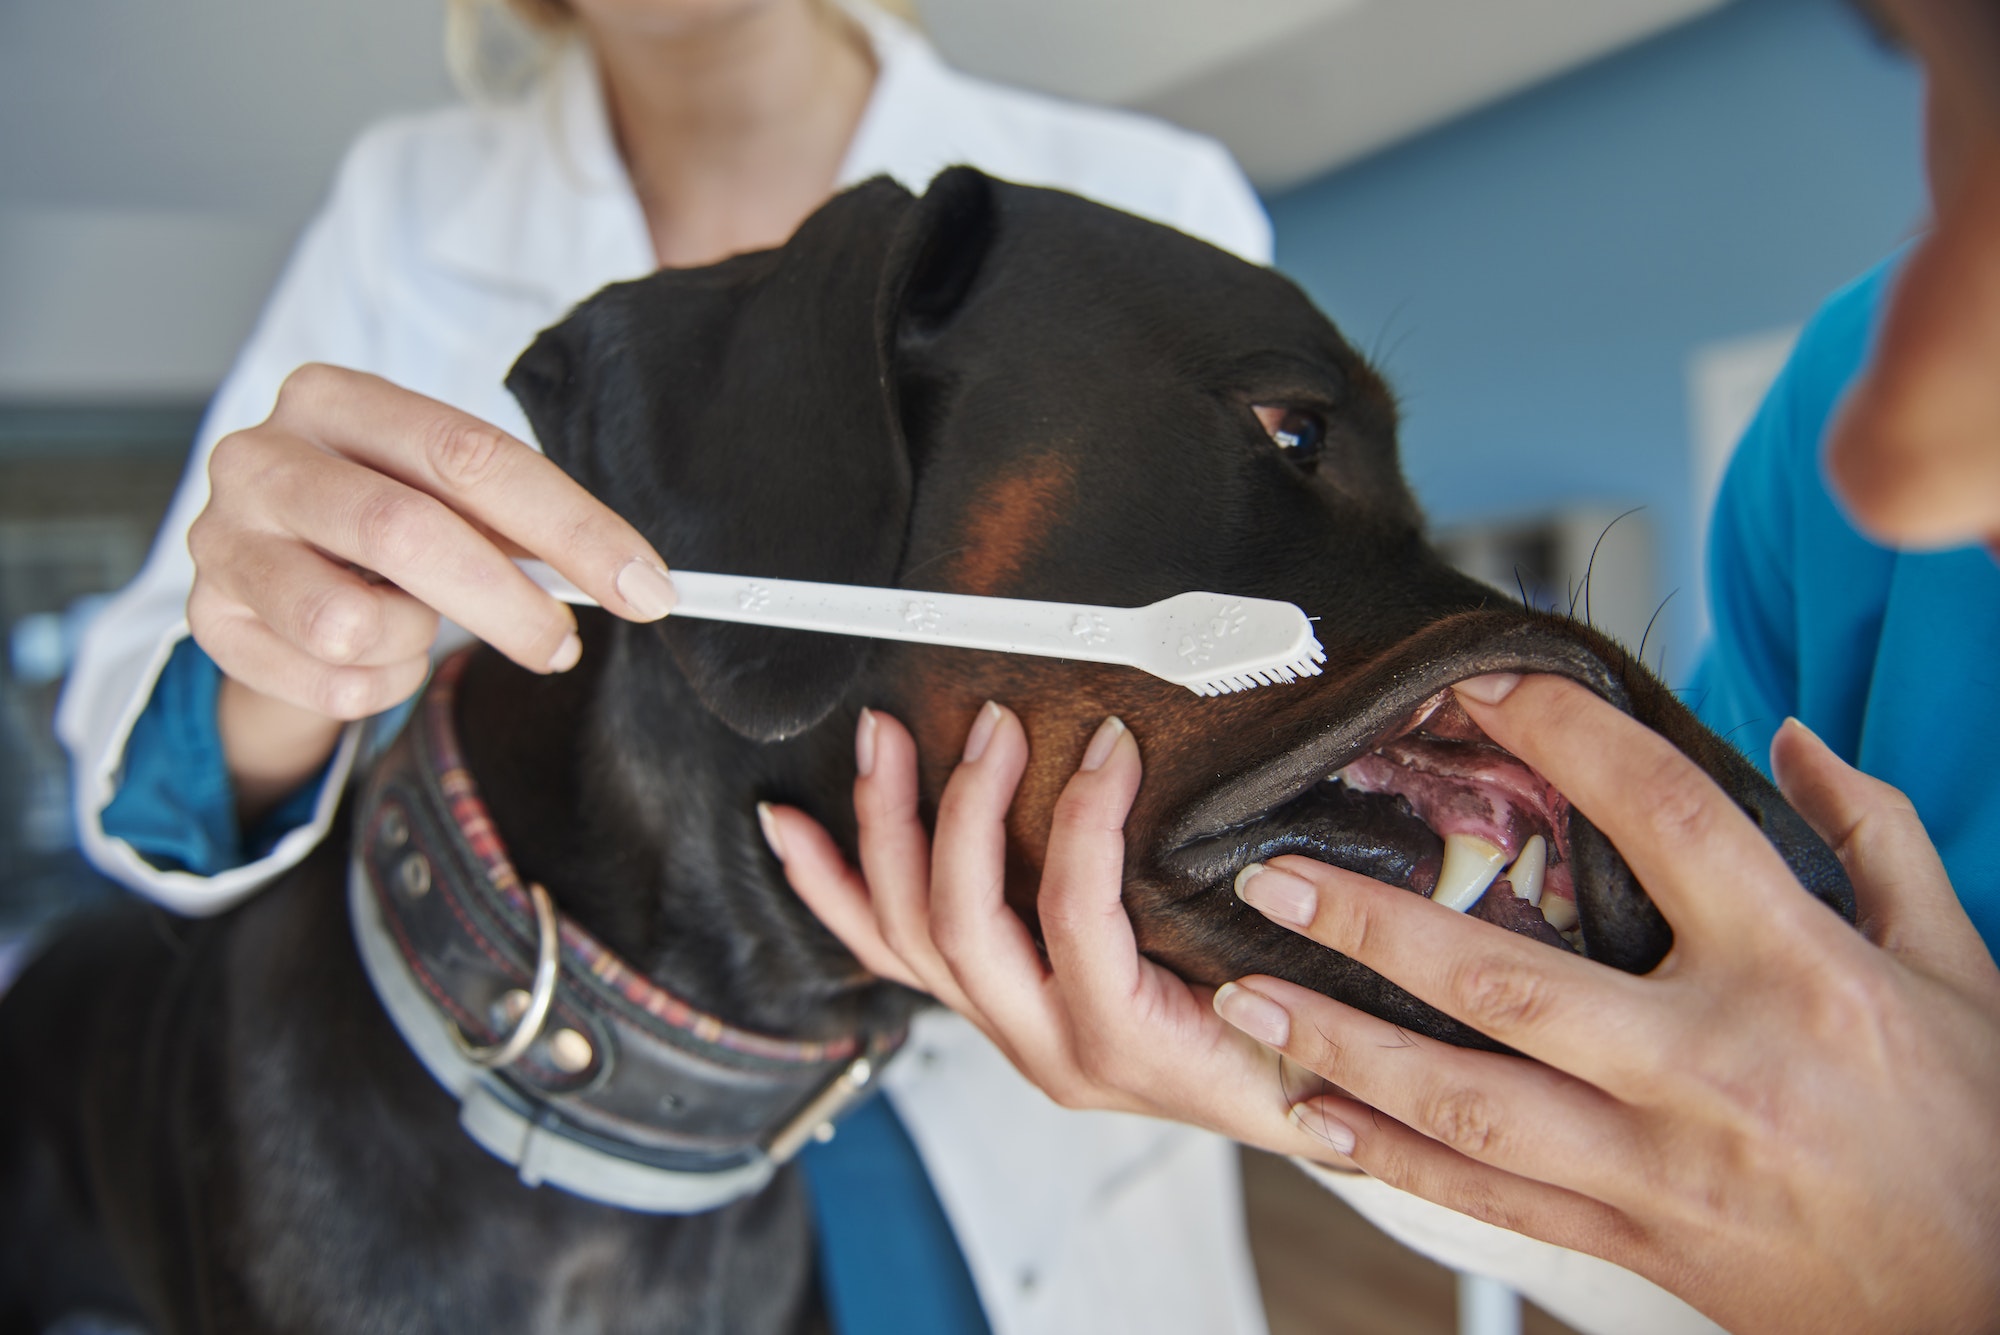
{"points": [[322, 310], [1589, 1294]]}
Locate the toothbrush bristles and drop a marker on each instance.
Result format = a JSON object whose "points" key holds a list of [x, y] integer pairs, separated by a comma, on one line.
{"points": [[1275, 675]]}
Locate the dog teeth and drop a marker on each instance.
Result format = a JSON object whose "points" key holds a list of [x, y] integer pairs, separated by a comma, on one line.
{"points": [[1470, 864], [1560, 912], [1526, 873]]}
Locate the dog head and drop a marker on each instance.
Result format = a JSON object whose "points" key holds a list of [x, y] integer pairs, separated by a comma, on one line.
{"points": [[1002, 390]]}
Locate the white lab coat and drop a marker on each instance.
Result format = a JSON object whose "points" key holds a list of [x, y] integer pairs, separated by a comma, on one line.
{"points": [[1590, 1294], [449, 240]]}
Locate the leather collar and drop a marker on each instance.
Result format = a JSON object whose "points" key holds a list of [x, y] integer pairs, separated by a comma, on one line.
{"points": [[623, 1093]]}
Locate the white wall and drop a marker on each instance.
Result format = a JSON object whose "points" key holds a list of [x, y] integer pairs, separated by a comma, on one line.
{"points": [[133, 251]]}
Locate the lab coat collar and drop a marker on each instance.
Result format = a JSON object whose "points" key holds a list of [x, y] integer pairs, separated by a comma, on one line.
{"points": [[553, 214], [918, 121]]}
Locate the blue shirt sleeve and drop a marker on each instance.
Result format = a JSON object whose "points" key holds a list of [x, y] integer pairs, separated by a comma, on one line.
{"points": [[1797, 596], [889, 1262], [175, 804], [1746, 683]]}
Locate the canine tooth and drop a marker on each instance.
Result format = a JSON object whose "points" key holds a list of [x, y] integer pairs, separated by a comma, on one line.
{"points": [[1526, 873], [1470, 864], [1560, 912]]}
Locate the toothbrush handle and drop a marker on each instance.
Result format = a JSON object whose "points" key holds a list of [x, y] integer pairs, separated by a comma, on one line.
{"points": [[966, 621], [1010, 625]]}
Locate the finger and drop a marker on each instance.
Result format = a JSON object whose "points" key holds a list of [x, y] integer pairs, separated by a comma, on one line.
{"points": [[1710, 871], [1561, 1008], [1084, 924], [834, 891], [1126, 1023], [979, 937], [320, 606], [1154, 1045], [1393, 1153], [481, 471], [261, 659], [408, 537], [896, 850], [1903, 897], [1513, 1114]]}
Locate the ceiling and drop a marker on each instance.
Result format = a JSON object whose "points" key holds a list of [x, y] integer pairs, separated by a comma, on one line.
{"points": [[156, 159], [1293, 87]]}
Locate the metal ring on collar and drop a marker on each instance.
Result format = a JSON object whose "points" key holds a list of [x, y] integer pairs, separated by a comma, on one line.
{"points": [[541, 996]]}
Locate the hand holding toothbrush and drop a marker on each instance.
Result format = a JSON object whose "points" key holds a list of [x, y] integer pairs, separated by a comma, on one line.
{"points": [[339, 530]]}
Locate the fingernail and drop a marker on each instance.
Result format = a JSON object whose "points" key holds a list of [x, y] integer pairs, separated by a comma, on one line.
{"points": [[768, 822], [1315, 1118], [1277, 894], [864, 744], [1102, 743], [1490, 689], [1256, 1015], [646, 589], [982, 732], [1793, 721], [567, 654]]}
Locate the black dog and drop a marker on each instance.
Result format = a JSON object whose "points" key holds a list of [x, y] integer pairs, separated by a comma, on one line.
{"points": [[992, 389]]}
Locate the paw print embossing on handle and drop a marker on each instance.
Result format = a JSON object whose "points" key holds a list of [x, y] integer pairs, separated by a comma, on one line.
{"points": [[921, 614], [1090, 628], [1199, 650], [753, 597]]}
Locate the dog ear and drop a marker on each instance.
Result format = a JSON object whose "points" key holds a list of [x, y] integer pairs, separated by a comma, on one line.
{"points": [[744, 418]]}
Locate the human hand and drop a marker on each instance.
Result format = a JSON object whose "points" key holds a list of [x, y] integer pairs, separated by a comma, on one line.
{"points": [[1793, 1125], [1096, 1025], [337, 532]]}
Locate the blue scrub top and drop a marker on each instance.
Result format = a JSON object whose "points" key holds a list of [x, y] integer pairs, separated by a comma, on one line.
{"points": [[1892, 657]]}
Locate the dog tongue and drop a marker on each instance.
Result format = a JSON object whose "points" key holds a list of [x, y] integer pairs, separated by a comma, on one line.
{"points": [[1502, 908]]}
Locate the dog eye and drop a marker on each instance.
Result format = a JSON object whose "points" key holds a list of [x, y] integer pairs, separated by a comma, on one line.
{"points": [[1296, 432]]}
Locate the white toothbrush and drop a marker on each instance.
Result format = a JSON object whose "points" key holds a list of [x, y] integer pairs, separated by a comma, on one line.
{"points": [[1211, 643]]}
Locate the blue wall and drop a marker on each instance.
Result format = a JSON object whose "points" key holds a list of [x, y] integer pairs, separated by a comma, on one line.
{"points": [[1533, 278]]}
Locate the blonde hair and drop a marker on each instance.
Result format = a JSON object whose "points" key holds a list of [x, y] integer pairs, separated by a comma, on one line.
{"points": [[496, 49]]}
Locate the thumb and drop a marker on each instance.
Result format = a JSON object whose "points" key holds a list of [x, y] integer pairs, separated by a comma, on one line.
{"points": [[1903, 898]]}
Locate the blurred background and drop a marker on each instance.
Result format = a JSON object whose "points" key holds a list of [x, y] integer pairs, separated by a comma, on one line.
{"points": [[1577, 234]]}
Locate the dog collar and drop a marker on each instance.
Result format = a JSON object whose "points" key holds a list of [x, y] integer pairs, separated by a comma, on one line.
{"points": [[567, 1062]]}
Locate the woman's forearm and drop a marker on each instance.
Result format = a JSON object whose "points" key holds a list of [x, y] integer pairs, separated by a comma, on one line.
{"points": [[270, 746]]}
